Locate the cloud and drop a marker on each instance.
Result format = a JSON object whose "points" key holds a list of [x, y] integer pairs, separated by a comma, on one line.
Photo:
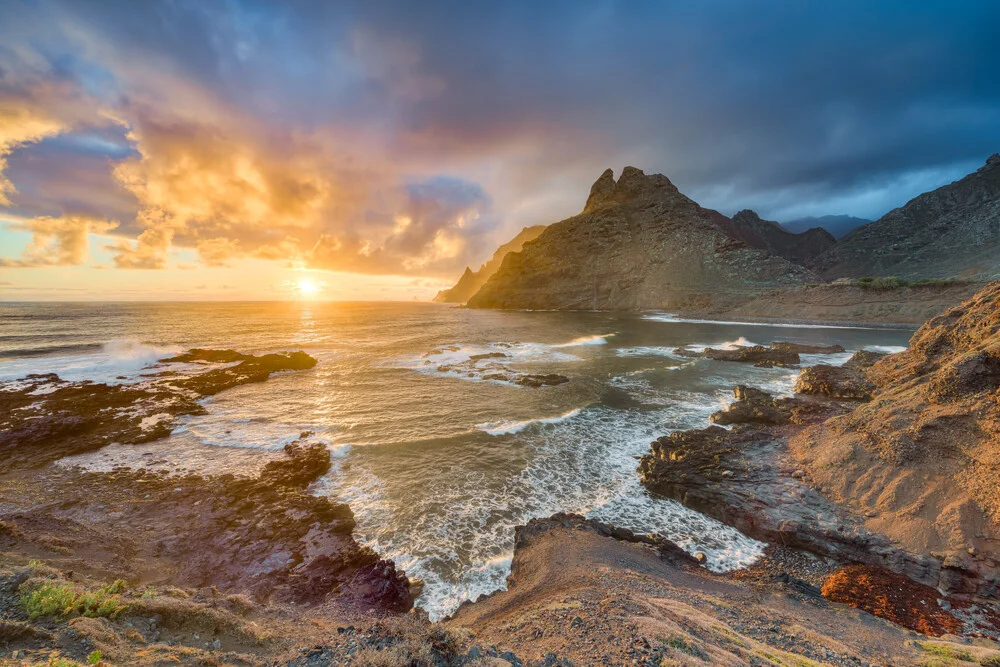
{"points": [[58, 241], [400, 139]]}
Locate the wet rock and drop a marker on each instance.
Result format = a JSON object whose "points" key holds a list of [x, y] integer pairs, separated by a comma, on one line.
{"points": [[208, 356], [752, 406], [265, 536], [753, 354], [835, 382], [546, 380], [864, 359], [526, 534], [743, 478], [44, 418]]}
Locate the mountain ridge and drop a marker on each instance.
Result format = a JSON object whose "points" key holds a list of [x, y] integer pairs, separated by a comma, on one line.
{"points": [[639, 243], [951, 231], [471, 281]]}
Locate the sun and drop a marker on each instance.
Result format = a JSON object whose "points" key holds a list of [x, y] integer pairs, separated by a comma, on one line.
{"points": [[307, 287]]}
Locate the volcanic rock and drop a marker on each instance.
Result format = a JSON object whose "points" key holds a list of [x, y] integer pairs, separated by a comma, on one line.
{"points": [[263, 535], [949, 232], [535, 380], [800, 348], [864, 359], [835, 381], [801, 248], [752, 406], [471, 281], [638, 244], [44, 418], [753, 354], [921, 460]]}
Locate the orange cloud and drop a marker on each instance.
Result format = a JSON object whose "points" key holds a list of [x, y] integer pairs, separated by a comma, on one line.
{"points": [[58, 241]]}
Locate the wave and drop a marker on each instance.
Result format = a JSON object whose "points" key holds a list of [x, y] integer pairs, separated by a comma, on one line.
{"points": [[597, 339], [114, 362], [511, 427], [671, 318], [889, 349], [648, 351]]}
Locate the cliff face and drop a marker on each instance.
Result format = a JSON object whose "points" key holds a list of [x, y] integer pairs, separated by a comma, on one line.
{"points": [[951, 231], [471, 281], [922, 459], [638, 244], [801, 248]]}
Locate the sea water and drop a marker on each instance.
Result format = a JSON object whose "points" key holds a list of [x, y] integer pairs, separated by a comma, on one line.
{"points": [[435, 447]]}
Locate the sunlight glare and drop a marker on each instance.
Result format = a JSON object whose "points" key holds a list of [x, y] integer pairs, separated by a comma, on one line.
{"points": [[307, 287]]}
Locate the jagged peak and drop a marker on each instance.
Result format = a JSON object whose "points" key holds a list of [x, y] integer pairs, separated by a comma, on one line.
{"points": [[632, 182], [747, 215], [992, 162], [468, 272]]}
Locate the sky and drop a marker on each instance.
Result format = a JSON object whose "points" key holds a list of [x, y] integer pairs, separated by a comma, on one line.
{"points": [[371, 150]]}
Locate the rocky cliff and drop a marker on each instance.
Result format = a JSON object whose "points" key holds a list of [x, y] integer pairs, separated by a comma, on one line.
{"points": [[639, 243], [952, 231], [921, 460], [471, 281], [801, 248]]}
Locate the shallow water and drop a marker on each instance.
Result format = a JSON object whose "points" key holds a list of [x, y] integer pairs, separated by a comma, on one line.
{"points": [[435, 449]]}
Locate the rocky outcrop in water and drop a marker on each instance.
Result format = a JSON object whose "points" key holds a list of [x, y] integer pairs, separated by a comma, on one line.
{"points": [[263, 535], [835, 382], [953, 231], [907, 480], [748, 354], [801, 248], [638, 244], [44, 418], [471, 281], [922, 457]]}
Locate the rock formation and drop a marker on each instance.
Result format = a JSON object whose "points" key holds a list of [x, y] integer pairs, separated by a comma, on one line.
{"points": [[44, 418], [801, 248], [638, 244], [471, 281], [901, 472], [922, 458], [953, 231]]}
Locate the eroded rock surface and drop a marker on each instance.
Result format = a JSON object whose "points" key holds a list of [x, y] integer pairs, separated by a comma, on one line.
{"points": [[44, 418], [266, 535], [835, 382]]}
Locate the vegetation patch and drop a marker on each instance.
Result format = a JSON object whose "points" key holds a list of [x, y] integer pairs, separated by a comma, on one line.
{"points": [[945, 651], [61, 599]]}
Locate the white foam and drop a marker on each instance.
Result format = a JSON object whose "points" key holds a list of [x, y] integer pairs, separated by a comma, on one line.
{"points": [[725, 345], [459, 540], [601, 339], [118, 362], [670, 318], [510, 427], [647, 351]]}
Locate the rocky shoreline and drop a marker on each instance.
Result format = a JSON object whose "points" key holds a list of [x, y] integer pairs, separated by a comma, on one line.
{"points": [[148, 568]]}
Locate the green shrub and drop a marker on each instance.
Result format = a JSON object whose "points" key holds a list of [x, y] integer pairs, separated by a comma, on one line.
{"points": [[51, 599], [945, 651]]}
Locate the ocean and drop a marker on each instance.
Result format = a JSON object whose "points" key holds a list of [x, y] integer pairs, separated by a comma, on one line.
{"points": [[436, 447]]}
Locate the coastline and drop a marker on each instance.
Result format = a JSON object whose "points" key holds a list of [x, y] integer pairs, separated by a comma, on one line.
{"points": [[149, 533]]}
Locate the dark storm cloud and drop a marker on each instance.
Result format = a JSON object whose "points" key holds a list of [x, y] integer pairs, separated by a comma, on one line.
{"points": [[297, 131]]}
